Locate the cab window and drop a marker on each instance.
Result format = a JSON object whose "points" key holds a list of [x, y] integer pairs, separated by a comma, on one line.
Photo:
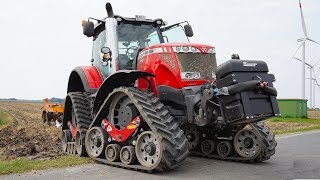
{"points": [[98, 43]]}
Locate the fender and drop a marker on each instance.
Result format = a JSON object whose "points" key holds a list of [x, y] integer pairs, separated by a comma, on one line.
{"points": [[120, 78], [84, 79]]}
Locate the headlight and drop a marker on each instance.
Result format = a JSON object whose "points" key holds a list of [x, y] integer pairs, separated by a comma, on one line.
{"points": [[190, 75], [193, 49], [211, 50], [185, 48]]}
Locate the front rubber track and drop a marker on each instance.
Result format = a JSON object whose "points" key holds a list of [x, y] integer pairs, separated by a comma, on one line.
{"points": [[153, 112], [81, 106], [268, 139], [269, 146]]}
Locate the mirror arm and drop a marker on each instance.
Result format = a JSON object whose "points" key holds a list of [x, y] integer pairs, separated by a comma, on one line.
{"points": [[171, 26], [98, 20]]}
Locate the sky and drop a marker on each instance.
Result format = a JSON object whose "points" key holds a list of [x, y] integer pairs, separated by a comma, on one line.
{"points": [[42, 41]]}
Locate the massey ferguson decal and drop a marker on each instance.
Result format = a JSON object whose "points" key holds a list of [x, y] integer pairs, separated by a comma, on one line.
{"points": [[249, 64]]}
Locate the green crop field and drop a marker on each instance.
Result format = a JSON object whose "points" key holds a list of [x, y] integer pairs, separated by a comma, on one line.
{"points": [[25, 165], [292, 125], [5, 119]]}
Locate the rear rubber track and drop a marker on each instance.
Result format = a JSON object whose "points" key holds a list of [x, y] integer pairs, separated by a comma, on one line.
{"points": [[160, 122], [81, 105]]}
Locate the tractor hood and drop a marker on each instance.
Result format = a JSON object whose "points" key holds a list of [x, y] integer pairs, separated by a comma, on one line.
{"points": [[189, 63]]}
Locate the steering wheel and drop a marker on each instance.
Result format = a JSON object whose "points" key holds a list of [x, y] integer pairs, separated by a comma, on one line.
{"points": [[132, 51]]}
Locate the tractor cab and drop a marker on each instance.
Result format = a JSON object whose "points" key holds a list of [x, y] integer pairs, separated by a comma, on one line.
{"points": [[126, 37]]}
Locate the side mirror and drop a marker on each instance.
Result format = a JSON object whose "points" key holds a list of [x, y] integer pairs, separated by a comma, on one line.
{"points": [[188, 30], [106, 55], [88, 28]]}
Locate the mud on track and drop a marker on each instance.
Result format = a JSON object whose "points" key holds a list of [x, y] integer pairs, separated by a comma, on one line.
{"points": [[28, 135]]}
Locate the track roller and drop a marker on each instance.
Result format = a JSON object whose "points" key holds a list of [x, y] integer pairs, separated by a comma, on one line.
{"points": [[79, 143], [128, 155], [96, 142], [247, 144], [112, 152], [148, 149], [224, 148], [192, 135], [65, 138], [207, 147]]}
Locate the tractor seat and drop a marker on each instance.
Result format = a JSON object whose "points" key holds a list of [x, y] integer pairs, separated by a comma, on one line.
{"points": [[124, 61]]}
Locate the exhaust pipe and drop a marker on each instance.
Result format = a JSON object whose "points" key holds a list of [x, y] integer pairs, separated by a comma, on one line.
{"points": [[109, 10]]}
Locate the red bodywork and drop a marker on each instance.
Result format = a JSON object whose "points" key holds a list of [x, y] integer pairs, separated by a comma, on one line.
{"points": [[73, 130], [123, 134], [163, 63], [93, 76]]}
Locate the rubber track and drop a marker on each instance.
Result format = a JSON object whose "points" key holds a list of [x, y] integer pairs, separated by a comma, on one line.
{"points": [[82, 110], [269, 145], [268, 139], [174, 142]]}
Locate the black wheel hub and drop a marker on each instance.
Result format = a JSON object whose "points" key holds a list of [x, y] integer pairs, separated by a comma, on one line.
{"points": [[122, 111], [190, 137], [97, 142], [207, 147], [248, 143], [126, 114], [150, 148], [223, 148], [111, 153]]}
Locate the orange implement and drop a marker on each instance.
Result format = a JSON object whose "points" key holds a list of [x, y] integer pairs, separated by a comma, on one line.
{"points": [[52, 113]]}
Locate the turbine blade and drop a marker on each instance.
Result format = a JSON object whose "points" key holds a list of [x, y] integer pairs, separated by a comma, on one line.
{"points": [[313, 41], [298, 48], [304, 28]]}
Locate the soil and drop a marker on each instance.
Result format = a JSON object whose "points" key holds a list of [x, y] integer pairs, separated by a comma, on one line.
{"points": [[28, 135]]}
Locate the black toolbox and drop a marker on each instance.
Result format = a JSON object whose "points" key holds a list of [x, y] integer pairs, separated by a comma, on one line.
{"points": [[247, 104]]}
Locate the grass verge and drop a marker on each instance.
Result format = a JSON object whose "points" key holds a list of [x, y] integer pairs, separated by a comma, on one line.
{"points": [[5, 119], [292, 125], [24, 165]]}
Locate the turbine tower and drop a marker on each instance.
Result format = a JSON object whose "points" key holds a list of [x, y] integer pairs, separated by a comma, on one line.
{"points": [[303, 45], [313, 81]]}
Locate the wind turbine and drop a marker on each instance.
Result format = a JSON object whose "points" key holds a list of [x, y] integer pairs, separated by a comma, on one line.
{"points": [[303, 45], [312, 79], [314, 88]]}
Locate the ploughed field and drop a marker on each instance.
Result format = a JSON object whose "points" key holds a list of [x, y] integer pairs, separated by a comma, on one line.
{"points": [[27, 135]]}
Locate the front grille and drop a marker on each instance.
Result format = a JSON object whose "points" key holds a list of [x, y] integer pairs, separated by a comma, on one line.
{"points": [[205, 64]]}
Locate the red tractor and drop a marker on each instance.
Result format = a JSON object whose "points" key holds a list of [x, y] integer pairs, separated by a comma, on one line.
{"points": [[151, 97]]}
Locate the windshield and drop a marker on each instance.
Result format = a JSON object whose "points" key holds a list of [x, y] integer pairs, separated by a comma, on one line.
{"points": [[175, 35], [133, 37], [203, 64]]}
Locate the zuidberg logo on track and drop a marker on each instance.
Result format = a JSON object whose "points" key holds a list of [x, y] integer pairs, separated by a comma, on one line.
{"points": [[249, 64]]}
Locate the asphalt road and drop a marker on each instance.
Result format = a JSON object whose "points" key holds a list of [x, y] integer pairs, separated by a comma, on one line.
{"points": [[297, 157]]}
